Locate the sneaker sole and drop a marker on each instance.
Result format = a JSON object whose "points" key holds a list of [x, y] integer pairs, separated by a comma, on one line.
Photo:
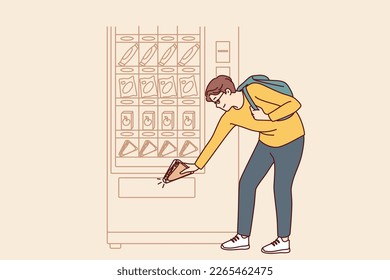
{"points": [[235, 248], [284, 251]]}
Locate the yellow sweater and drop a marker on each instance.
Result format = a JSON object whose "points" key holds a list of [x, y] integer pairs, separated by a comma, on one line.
{"points": [[273, 132]]}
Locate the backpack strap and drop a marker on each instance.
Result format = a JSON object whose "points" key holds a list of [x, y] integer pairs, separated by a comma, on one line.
{"points": [[249, 98], [276, 85]]}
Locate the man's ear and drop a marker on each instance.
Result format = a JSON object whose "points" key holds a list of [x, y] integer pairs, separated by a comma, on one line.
{"points": [[227, 91]]}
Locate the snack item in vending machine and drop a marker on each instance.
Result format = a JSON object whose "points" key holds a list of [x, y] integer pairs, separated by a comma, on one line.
{"points": [[167, 87], [148, 55], [147, 148], [167, 55], [167, 148], [189, 120], [148, 86], [168, 120], [187, 148], [127, 120], [188, 86], [128, 55], [127, 148], [148, 120], [189, 55], [127, 87]]}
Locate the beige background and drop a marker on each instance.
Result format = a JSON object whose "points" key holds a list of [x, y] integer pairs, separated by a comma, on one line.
{"points": [[335, 56]]}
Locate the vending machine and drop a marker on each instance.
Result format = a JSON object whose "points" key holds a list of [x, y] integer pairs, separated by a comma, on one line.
{"points": [[156, 112]]}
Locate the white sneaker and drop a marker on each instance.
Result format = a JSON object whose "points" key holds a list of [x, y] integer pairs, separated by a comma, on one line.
{"points": [[276, 247], [238, 242]]}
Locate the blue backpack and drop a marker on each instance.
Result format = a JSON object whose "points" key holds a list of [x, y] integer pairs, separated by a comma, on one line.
{"points": [[276, 85]]}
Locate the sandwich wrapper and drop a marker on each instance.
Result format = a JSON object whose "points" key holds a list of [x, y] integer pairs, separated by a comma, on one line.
{"points": [[176, 171]]}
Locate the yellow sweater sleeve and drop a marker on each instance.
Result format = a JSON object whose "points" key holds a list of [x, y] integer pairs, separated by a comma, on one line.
{"points": [[223, 128], [286, 105]]}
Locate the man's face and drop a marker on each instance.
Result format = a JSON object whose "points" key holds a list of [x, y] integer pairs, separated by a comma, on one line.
{"points": [[223, 100]]}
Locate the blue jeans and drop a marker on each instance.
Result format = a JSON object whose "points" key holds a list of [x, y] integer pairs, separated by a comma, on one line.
{"points": [[286, 160]]}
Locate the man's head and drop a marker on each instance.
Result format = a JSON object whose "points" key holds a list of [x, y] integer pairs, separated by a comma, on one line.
{"points": [[220, 90]]}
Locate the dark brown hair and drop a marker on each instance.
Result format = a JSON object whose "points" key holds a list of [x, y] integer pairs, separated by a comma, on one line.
{"points": [[218, 84]]}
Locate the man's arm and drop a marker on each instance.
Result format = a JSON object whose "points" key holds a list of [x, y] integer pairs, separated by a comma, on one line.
{"points": [[223, 128], [287, 105]]}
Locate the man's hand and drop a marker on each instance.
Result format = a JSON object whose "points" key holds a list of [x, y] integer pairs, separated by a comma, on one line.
{"points": [[191, 168], [259, 114]]}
